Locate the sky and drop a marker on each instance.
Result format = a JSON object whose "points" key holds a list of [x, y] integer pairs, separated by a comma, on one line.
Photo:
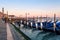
{"points": [[33, 7]]}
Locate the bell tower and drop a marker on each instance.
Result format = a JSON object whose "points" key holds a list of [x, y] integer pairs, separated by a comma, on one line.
{"points": [[3, 10]]}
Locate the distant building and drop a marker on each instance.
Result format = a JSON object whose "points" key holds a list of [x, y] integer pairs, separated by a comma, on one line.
{"points": [[11, 16], [3, 10], [2, 13]]}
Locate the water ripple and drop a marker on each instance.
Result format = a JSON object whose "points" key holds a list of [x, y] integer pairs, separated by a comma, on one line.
{"points": [[43, 32], [50, 35]]}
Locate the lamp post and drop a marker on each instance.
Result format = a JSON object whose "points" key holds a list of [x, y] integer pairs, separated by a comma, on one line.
{"points": [[6, 17], [46, 20], [19, 21], [27, 18], [41, 22], [54, 21]]}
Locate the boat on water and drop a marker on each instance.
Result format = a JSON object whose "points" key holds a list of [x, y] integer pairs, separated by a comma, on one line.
{"points": [[53, 26]]}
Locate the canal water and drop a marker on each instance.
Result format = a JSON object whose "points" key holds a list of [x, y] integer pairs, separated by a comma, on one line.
{"points": [[35, 34]]}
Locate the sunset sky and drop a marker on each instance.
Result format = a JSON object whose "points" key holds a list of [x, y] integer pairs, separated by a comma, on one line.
{"points": [[33, 7]]}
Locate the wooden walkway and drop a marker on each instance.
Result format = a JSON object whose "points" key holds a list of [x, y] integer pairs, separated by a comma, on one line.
{"points": [[5, 32]]}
